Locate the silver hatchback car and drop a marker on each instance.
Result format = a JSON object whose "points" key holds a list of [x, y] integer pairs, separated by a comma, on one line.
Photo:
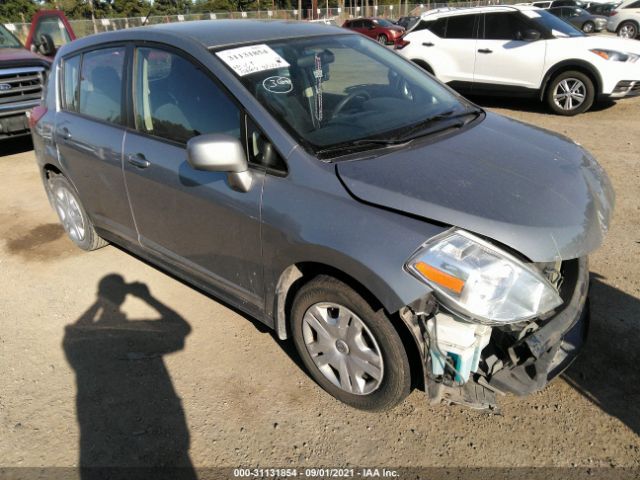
{"points": [[399, 234]]}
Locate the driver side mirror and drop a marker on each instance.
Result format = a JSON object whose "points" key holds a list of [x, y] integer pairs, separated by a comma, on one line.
{"points": [[529, 35], [221, 153]]}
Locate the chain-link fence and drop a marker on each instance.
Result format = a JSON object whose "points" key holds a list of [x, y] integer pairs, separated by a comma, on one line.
{"points": [[334, 15]]}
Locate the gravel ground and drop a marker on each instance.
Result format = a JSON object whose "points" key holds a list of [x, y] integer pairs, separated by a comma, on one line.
{"points": [[216, 389]]}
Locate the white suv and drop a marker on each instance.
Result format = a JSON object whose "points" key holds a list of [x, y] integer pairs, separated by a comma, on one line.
{"points": [[625, 19], [523, 50]]}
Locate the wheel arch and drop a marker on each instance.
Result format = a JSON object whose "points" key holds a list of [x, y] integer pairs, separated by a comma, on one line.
{"points": [[576, 65], [425, 65], [296, 275], [629, 20]]}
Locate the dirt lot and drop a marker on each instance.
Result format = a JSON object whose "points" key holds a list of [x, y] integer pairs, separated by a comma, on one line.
{"points": [[232, 395]]}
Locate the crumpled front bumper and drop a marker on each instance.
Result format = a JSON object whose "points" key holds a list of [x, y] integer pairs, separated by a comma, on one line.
{"points": [[552, 348]]}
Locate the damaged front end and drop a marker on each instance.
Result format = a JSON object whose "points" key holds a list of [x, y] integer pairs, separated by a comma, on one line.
{"points": [[470, 361]]}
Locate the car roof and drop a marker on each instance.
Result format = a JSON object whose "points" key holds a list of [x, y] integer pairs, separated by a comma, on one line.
{"points": [[215, 33], [474, 10]]}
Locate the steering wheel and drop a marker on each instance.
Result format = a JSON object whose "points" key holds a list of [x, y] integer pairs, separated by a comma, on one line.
{"points": [[348, 99]]}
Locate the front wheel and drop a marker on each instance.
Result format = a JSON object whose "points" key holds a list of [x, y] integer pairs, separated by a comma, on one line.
{"points": [[628, 30], [350, 350], [570, 93], [588, 27], [382, 39]]}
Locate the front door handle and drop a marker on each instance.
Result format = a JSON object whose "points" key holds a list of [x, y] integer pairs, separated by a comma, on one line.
{"points": [[427, 44], [485, 50], [138, 160]]}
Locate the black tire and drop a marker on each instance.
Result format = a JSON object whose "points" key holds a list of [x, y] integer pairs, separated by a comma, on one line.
{"points": [[628, 26], [382, 39], [58, 187], [589, 27], [570, 75], [395, 383]]}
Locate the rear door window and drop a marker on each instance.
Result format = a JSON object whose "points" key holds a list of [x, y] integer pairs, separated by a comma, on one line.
{"points": [[503, 26], [101, 84], [174, 99], [461, 26]]}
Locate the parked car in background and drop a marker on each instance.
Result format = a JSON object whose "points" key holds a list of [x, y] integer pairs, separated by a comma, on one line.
{"points": [[625, 19], [526, 51], [49, 31], [559, 3], [458, 259], [22, 74], [23, 69], [580, 18], [380, 29], [407, 22], [603, 9]]}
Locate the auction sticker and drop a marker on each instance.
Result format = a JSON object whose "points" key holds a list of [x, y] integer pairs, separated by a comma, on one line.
{"points": [[252, 59]]}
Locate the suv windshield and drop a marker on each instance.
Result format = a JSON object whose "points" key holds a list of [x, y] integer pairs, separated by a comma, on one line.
{"points": [[333, 90], [554, 25], [7, 40]]}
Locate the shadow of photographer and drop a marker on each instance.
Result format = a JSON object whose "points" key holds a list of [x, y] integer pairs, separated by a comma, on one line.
{"points": [[129, 413]]}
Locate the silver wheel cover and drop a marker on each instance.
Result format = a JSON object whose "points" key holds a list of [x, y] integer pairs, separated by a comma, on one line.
{"points": [[70, 213], [343, 348]]}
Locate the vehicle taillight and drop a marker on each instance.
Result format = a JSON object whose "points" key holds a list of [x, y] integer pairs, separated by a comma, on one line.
{"points": [[36, 114], [613, 14], [400, 43]]}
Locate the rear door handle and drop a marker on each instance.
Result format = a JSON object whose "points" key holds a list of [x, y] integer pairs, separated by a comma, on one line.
{"points": [[65, 133], [138, 160], [485, 50], [427, 44]]}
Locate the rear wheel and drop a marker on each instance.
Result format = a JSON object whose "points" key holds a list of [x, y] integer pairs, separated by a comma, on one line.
{"points": [[628, 30], [350, 350], [382, 39], [72, 215], [570, 93], [588, 27]]}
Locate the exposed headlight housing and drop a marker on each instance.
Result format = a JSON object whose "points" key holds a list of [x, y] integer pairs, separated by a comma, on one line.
{"points": [[480, 281], [614, 56]]}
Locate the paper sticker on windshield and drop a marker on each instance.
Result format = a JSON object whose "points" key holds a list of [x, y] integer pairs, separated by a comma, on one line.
{"points": [[277, 84], [531, 13], [252, 59]]}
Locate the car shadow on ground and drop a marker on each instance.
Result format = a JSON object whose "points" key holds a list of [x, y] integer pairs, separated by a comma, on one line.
{"points": [[131, 420], [532, 105], [15, 145], [607, 371]]}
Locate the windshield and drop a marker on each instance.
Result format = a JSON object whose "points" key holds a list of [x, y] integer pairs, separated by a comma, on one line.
{"points": [[7, 40], [383, 23], [332, 90], [558, 27]]}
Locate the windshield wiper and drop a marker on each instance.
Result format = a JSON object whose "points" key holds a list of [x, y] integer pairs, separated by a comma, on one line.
{"points": [[448, 115], [408, 135]]}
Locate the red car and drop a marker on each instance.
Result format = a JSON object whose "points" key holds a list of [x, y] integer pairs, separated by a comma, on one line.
{"points": [[23, 70], [379, 29]]}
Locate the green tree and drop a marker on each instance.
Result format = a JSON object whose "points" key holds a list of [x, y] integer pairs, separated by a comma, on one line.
{"points": [[16, 10]]}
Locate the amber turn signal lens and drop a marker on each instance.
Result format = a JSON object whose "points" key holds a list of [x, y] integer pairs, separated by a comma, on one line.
{"points": [[441, 278]]}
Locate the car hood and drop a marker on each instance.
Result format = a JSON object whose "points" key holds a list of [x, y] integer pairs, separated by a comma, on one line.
{"points": [[605, 42], [534, 191], [20, 56]]}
